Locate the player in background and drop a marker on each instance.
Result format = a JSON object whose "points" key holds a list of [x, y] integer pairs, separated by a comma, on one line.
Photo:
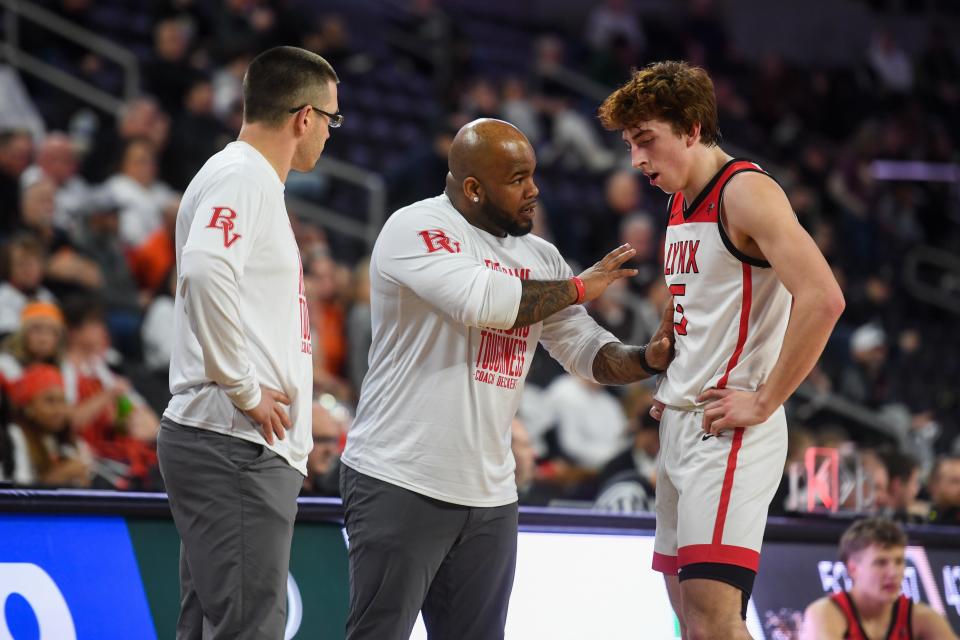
{"points": [[755, 302], [875, 608]]}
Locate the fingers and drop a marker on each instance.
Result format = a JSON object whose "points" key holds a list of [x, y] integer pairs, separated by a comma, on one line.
{"points": [[622, 273], [656, 411], [618, 256], [713, 394], [283, 417], [267, 433], [278, 396]]}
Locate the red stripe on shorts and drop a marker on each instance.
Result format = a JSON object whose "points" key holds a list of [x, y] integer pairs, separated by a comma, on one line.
{"points": [[722, 553], [744, 323], [727, 486]]}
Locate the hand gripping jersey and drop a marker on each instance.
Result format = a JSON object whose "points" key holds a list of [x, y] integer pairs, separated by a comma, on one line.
{"points": [[900, 618], [730, 310]]}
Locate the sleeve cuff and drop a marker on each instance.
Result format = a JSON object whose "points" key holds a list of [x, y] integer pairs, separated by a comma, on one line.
{"points": [[246, 399]]}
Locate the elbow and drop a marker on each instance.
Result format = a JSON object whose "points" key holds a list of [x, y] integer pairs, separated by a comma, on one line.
{"points": [[834, 303]]}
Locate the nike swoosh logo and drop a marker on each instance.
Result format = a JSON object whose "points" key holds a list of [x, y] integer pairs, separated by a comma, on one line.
{"points": [[708, 436]]}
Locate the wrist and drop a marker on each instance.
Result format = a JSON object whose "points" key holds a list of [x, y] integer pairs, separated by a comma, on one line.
{"points": [[645, 365], [765, 403], [579, 289]]}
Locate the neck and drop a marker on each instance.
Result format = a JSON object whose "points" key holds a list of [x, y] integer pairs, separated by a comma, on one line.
{"points": [[276, 148], [469, 210], [705, 165], [871, 608]]}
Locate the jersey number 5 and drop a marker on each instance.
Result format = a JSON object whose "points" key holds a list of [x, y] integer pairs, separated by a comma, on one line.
{"points": [[678, 290]]}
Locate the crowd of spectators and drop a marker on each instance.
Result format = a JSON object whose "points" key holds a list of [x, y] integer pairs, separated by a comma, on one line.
{"points": [[88, 205]]}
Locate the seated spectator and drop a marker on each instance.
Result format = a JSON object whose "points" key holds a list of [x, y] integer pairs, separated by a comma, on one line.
{"points": [[44, 451], [141, 196], [903, 472], [325, 301], [945, 491], [874, 552], [591, 425], [106, 411], [66, 270], [139, 118], [57, 162], [21, 275], [628, 482], [39, 340], [99, 241], [323, 462]]}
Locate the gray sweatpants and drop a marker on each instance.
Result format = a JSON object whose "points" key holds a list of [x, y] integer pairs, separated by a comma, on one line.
{"points": [[409, 552], [234, 504]]}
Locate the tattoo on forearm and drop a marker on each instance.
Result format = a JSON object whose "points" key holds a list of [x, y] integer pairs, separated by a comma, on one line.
{"points": [[618, 364], [541, 299]]}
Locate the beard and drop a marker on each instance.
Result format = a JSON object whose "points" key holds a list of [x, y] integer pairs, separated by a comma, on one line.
{"points": [[506, 221]]}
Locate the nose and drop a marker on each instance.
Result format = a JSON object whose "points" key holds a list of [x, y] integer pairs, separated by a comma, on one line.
{"points": [[637, 158], [534, 190]]}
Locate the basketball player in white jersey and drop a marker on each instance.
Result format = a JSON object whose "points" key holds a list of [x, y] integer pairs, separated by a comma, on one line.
{"points": [[755, 302], [462, 293]]}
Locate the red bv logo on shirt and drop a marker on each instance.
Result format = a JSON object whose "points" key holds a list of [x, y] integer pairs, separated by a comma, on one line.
{"points": [[223, 219], [435, 239]]}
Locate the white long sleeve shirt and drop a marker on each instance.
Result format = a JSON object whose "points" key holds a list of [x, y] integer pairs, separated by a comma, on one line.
{"points": [[240, 314], [446, 372]]}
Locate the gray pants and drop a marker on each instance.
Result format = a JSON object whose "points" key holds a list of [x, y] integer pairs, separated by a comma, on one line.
{"points": [[234, 504], [409, 552]]}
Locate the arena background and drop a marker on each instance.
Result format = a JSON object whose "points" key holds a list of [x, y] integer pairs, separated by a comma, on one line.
{"points": [[108, 107]]}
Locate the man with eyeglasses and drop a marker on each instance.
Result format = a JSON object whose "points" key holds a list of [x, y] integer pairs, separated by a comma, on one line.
{"points": [[235, 438]]}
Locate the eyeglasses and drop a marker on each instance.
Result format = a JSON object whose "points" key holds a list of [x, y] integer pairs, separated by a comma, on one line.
{"points": [[336, 119]]}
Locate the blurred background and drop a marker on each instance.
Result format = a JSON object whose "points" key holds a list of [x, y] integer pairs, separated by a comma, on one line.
{"points": [[108, 108]]}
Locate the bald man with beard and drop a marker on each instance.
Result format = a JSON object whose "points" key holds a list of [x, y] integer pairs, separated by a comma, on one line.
{"points": [[461, 293]]}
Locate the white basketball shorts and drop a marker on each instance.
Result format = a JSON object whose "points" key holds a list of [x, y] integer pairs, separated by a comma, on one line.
{"points": [[713, 492]]}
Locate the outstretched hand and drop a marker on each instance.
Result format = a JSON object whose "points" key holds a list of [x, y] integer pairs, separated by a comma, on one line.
{"points": [[597, 278]]}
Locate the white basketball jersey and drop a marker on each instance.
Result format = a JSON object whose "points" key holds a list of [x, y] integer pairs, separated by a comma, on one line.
{"points": [[730, 310]]}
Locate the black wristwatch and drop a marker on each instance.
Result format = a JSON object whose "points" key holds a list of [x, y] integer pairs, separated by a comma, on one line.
{"points": [[646, 365]]}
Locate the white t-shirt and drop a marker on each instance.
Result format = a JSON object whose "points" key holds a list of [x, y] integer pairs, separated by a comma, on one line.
{"points": [[240, 313], [446, 372], [591, 425]]}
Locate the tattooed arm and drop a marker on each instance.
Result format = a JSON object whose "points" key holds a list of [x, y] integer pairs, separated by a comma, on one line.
{"points": [[618, 363], [542, 298]]}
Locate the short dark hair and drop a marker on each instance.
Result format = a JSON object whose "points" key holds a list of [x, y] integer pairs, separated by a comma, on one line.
{"points": [[280, 79], [900, 466], [871, 531], [675, 92]]}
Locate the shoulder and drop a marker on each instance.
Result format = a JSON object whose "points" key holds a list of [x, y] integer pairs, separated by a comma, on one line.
{"points": [[927, 623], [823, 615], [430, 215], [749, 187]]}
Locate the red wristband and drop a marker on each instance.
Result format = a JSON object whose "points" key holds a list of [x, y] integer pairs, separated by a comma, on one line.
{"points": [[581, 290]]}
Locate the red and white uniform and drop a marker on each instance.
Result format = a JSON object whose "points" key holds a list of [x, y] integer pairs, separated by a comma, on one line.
{"points": [[730, 316], [240, 313], [901, 622], [446, 371]]}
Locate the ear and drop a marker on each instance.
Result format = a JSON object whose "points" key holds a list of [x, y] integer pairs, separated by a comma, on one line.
{"points": [[300, 121], [694, 136], [472, 189]]}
